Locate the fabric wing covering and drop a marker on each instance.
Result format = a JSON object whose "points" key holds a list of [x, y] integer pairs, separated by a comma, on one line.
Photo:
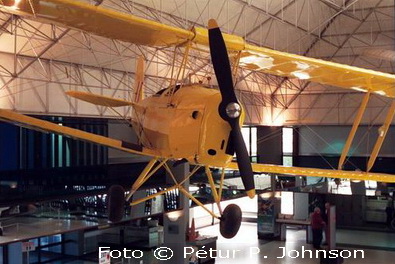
{"points": [[126, 27]]}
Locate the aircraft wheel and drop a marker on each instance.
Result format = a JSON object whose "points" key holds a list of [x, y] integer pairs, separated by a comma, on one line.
{"points": [[230, 221], [115, 203]]}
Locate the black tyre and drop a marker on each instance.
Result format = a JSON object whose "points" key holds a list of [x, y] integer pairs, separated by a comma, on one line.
{"points": [[116, 203], [230, 221]]}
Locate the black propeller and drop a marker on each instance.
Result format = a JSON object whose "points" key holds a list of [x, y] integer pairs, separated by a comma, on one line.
{"points": [[229, 108]]}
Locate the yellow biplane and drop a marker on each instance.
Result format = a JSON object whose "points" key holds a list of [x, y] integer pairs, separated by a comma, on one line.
{"points": [[192, 122]]}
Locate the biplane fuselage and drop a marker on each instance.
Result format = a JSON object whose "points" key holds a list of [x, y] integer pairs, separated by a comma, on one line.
{"points": [[184, 125]]}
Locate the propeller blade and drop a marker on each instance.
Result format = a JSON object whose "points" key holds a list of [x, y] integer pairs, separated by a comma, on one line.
{"points": [[229, 108], [220, 60], [243, 161]]}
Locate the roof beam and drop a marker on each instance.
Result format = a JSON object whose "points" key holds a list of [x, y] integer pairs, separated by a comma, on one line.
{"points": [[337, 9], [312, 45], [333, 55], [38, 57], [4, 26]]}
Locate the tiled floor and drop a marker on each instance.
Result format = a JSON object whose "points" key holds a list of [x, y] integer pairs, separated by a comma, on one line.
{"points": [[367, 239], [245, 246], [246, 241]]}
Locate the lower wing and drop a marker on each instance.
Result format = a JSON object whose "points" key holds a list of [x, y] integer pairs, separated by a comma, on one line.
{"points": [[313, 172], [99, 99], [46, 126]]}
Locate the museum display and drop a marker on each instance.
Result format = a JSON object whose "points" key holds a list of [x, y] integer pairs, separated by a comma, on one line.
{"points": [[196, 123]]}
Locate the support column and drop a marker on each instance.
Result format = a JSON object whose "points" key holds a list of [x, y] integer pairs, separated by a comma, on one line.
{"points": [[176, 223], [270, 148], [273, 182], [270, 145], [138, 210], [298, 181], [331, 228]]}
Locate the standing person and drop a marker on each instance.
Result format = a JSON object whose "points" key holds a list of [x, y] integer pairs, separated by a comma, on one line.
{"points": [[317, 225], [389, 210], [325, 218]]}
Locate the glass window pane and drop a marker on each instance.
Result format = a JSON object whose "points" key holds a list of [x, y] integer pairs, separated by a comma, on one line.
{"points": [[60, 151], [52, 150], [287, 161], [246, 135], [288, 140], [287, 203], [253, 141]]}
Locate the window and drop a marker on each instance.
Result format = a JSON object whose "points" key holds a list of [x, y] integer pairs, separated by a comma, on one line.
{"points": [[39, 150], [287, 203], [253, 143], [246, 136], [287, 146], [250, 139], [288, 140]]}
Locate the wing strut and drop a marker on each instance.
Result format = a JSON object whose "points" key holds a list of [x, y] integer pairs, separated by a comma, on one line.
{"points": [[354, 128], [382, 133], [139, 80]]}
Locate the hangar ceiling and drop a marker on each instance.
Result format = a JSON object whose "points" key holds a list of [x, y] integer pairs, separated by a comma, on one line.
{"points": [[39, 62]]}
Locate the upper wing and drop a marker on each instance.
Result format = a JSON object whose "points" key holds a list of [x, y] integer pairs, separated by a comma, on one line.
{"points": [[316, 70], [45, 126], [353, 175], [126, 27], [100, 21]]}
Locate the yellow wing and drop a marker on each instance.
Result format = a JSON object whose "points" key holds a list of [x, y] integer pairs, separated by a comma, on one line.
{"points": [[98, 99], [353, 175], [45, 126], [98, 20], [315, 70], [129, 28]]}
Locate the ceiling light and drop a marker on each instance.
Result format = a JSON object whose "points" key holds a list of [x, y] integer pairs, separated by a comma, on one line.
{"points": [[16, 4], [174, 215]]}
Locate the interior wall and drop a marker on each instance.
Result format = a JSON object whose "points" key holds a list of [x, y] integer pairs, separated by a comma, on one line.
{"points": [[121, 130], [329, 140], [321, 105], [321, 147]]}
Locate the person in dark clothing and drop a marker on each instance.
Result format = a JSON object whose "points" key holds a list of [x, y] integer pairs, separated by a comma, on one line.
{"points": [[317, 225], [326, 220], [326, 212], [389, 210]]}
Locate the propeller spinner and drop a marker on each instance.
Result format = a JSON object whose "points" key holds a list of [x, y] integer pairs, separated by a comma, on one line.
{"points": [[230, 108]]}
